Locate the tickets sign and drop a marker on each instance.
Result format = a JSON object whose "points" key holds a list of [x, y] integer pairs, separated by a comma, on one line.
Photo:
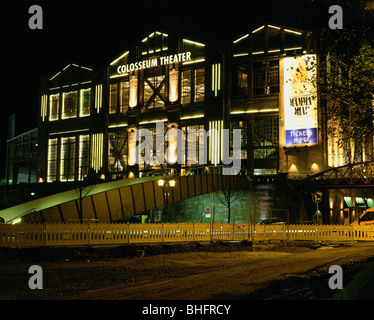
{"points": [[300, 100]]}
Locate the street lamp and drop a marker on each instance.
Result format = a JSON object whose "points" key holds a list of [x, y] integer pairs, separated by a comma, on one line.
{"points": [[165, 190]]}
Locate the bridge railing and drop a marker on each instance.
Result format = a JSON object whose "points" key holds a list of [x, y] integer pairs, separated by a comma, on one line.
{"points": [[29, 235]]}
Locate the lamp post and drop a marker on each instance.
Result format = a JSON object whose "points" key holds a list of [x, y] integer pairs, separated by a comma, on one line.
{"points": [[165, 190]]}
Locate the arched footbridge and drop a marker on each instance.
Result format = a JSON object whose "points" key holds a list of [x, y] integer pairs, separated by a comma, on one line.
{"points": [[112, 201], [353, 175]]}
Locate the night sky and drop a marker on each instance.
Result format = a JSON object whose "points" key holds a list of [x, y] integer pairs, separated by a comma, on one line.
{"points": [[93, 33]]}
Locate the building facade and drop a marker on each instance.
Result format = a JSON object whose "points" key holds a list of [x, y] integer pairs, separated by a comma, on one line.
{"points": [[89, 118]]}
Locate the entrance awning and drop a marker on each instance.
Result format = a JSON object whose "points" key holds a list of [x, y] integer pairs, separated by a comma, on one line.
{"points": [[348, 202], [360, 203], [370, 202]]}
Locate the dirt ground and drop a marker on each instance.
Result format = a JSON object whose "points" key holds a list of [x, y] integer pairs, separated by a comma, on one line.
{"points": [[193, 271]]}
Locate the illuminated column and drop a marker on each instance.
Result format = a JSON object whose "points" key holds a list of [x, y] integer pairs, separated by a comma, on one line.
{"points": [[44, 106], [131, 158], [172, 150], [133, 99], [215, 132], [173, 82], [97, 148]]}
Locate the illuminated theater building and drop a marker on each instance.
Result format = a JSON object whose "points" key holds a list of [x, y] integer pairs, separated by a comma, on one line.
{"points": [[262, 82], [89, 117]]}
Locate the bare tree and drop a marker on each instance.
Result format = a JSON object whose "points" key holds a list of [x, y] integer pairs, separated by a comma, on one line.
{"points": [[229, 194]]}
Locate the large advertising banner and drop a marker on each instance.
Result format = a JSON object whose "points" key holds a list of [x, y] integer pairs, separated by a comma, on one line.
{"points": [[300, 100]]}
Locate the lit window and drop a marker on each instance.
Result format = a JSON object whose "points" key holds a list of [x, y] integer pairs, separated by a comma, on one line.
{"points": [[85, 102], [242, 80], [117, 155], [154, 92], [84, 156], [186, 87], [113, 98], [69, 105], [193, 145], [54, 106], [157, 153], [193, 81], [242, 125], [199, 85], [67, 160], [124, 96], [265, 77], [52, 160]]}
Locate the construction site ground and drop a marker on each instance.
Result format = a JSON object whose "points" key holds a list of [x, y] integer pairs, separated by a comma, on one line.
{"points": [[190, 271]]}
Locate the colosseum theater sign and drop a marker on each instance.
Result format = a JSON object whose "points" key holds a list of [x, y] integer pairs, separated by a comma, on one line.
{"points": [[154, 62]]}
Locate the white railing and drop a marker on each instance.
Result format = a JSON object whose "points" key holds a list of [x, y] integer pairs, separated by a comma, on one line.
{"points": [[26, 235]]}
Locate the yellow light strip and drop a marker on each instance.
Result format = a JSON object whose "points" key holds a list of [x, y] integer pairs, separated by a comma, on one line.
{"points": [[193, 61], [219, 76], [294, 32], [240, 55], [119, 58], [217, 141], [221, 140], [119, 125], [243, 37], [216, 79], [98, 97], [71, 131], [119, 75], [86, 68], [210, 149], [258, 29], [194, 42], [97, 151], [101, 149], [55, 75], [258, 52], [296, 48], [274, 27], [255, 111], [44, 106], [153, 121], [192, 117], [213, 78]]}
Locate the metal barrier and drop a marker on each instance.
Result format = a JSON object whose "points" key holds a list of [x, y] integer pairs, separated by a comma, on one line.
{"points": [[28, 235]]}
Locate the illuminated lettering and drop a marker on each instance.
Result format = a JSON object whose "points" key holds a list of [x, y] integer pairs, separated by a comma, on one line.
{"points": [[151, 63]]}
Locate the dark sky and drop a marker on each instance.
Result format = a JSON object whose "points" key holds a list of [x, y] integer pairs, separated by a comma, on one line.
{"points": [[93, 33]]}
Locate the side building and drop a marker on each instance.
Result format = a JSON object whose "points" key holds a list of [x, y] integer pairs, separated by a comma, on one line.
{"points": [[274, 100]]}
